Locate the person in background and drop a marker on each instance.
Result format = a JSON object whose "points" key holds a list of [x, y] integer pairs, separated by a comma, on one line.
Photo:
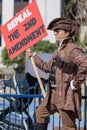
{"points": [[67, 70]]}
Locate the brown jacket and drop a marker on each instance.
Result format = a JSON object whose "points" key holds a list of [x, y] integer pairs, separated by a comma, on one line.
{"points": [[69, 99]]}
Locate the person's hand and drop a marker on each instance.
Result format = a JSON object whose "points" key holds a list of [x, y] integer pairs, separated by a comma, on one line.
{"points": [[29, 52], [72, 85]]}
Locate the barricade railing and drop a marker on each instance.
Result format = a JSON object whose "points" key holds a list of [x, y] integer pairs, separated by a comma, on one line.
{"points": [[18, 107]]}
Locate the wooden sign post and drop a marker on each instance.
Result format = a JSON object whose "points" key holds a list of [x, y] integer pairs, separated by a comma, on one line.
{"points": [[38, 77]]}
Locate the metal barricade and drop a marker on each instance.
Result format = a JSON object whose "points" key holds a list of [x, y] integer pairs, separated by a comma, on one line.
{"points": [[18, 107]]}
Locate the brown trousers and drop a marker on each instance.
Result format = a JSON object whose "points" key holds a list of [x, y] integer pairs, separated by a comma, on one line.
{"points": [[43, 113]]}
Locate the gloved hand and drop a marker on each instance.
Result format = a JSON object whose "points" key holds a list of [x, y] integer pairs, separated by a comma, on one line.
{"points": [[72, 85], [30, 53]]}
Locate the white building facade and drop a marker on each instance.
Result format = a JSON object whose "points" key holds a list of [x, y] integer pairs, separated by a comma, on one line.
{"points": [[49, 10]]}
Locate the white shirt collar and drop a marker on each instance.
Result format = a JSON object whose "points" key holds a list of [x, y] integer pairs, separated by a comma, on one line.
{"points": [[60, 43]]}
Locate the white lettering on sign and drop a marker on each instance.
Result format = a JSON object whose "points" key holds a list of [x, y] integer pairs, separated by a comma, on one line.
{"points": [[19, 19]]}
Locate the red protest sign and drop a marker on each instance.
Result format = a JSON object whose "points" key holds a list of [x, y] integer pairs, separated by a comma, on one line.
{"points": [[23, 30]]}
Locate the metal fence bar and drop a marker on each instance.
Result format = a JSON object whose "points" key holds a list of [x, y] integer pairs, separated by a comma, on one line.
{"points": [[18, 110], [85, 108]]}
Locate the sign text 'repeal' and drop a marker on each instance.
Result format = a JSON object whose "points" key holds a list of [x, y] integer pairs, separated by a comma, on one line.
{"points": [[19, 19], [24, 30]]}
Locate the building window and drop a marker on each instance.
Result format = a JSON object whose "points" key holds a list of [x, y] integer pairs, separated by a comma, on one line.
{"points": [[25, 0], [0, 19], [0, 40], [21, 0], [17, 0]]}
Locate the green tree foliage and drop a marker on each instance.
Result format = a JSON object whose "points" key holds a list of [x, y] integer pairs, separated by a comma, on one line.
{"points": [[19, 61], [70, 8], [83, 44], [44, 47], [40, 47], [77, 10]]}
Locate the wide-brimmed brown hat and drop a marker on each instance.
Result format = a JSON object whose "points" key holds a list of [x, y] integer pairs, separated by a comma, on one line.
{"points": [[64, 24]]}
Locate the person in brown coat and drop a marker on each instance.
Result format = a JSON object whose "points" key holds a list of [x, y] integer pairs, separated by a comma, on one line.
{"points": [[67, 70]]}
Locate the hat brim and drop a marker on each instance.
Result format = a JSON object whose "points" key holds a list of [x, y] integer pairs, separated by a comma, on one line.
{"points": [[51, 25]]}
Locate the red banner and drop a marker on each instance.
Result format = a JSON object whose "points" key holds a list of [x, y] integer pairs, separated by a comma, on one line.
{"points": [[24, 30]]}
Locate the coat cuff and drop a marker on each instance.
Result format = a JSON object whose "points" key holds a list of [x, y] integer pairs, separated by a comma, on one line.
{"points": [[34, 54], [72, 85]]}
